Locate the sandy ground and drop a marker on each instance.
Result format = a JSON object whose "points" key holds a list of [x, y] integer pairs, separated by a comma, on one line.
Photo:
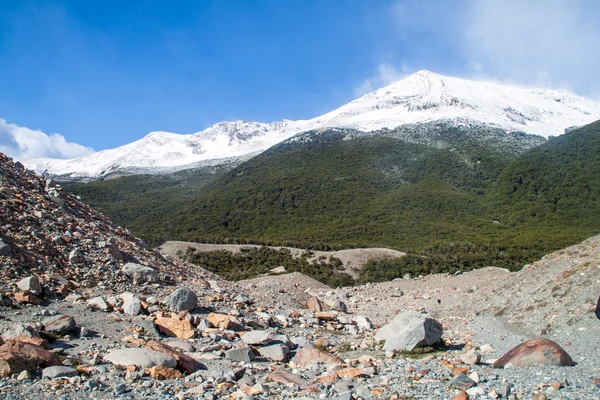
{"points": [[353, 259]]}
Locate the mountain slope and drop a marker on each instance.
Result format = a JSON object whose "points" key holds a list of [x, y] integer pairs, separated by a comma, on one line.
{"points": [[344, 188], [421, 97]]}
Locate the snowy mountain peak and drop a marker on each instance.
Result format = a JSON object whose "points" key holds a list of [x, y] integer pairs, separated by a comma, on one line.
{"points": [[421, 97]]}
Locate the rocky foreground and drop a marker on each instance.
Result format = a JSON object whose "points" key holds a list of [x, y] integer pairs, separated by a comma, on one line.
{"points": [[87, 311]]}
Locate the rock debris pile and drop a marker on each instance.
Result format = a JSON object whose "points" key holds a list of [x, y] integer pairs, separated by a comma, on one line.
{"points": [[87, 311]]}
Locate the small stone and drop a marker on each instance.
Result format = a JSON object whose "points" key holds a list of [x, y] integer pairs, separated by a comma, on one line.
{"points": [[316, 305], [539, 396], [556, 385], [132, 305], [276, 352], [175, 328], [59, 324], [30, 284], [240, 354], [143, 358], [120, 388], [59, 372], [182, 299], [493, 394], [476, 391], [256, 337], [285, 377], [470, 357], [308, 355], [461, 396], [97, 303], [27, 298], [161, 373], [5, 249], [140, 273], [475, 377], [463, 382], [24, 375]]}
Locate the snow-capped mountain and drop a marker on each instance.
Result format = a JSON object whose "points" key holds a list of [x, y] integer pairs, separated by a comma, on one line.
{"points": [[420, 97]]}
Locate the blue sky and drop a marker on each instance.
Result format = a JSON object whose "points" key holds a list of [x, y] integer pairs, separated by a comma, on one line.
{"points": [[100, 74]]}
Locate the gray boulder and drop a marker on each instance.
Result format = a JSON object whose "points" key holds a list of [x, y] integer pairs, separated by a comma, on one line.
{"points": [[17, 329], [256, 337], [140, 273], [59, 324], [240, 354], [408, 330], [276, 352], [31, 283], [132, 305], [59, 371], [182, 299], [143, 358]]}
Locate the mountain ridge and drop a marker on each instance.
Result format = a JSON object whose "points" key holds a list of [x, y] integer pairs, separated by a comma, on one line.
{"points": [[421, 97]]}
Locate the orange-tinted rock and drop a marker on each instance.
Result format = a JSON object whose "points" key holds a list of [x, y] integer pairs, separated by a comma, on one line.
{"points": [[349, 373], [185, 363], [222, 321], [27, 297], [535, 352], [17, 356], [316, 305], [459, 371], [174, 327], [308, 355], [461, 396], [43, 343], [326, 316], [161, 373]]}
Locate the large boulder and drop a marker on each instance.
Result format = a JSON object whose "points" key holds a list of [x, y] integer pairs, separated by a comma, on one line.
{"points": [[182, 299], [409, 330], [143, 358], [140, 273], [17, 356], [59, 324], [535, 352]]}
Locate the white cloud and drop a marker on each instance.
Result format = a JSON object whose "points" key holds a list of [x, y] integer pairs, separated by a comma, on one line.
{"points": [[533, 42], [22, 143], [386, 74]]}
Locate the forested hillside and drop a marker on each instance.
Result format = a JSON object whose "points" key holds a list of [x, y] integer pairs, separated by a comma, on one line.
{"points": [[454, 196]]}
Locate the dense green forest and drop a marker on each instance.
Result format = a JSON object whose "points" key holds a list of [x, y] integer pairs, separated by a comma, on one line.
{"points": [[453, 197], [251, 262]]}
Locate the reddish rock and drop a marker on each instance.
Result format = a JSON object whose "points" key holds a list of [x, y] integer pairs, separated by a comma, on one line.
{"points": [[461, 396], [43, 343], [28, 297], [17, 356], [185, 363], [308, 355], [316, 305], [326, 316], [535, 352]]}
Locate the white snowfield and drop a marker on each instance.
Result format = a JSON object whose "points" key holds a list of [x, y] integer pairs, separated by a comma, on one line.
{"points": [[421, 97]]}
